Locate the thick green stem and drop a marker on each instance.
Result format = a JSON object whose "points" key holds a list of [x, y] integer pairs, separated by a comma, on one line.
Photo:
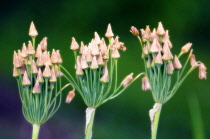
{"points": [[155, 124], [90, 113], [36, 128]]}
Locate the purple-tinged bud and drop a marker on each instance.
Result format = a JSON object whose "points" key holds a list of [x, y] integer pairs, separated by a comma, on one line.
{"points": [[37, 88], [34, 68], [115, 54], [26, 82], [145, 84], [38, 51], [24, 52], [40, 77], [70, 96], [32, 30], [79, 71], [109, 32], [100, 60], [160, 29], [154, 48], [81, 48], [15, 72], [177, 64], [31, 50], [202, 71], [170, 68], [193, 62], [47, 72], [74, 44], [53, 76], [158, 59], [54, 58], [126, 81], [134, 31]]}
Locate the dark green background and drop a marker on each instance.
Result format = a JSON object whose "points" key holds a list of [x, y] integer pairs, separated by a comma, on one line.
{"points": [[126, 116]]}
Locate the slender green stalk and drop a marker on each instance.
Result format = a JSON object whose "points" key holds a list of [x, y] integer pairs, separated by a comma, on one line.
{"points": [[35, 133], [89, 125], [155, 124]]}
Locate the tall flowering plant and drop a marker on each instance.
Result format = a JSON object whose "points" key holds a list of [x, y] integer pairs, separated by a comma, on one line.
{"points": [[97, 73], [38, 77], [164, 72]]}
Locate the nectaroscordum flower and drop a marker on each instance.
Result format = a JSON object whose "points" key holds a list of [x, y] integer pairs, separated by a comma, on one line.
{"points": [[161, 66], [97, 73], [39, 87]]}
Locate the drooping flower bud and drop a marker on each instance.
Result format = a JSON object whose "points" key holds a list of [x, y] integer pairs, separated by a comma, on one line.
{"points": [[186, 47], [26, 82], [126, 81], [37, 88], [32, 30], [202, 71], [109, 32], [43, 44], [74, 44], [134, 31], [94, 64], [193, 62], [70, 96], [177, 64], [47, 72], [145, 84], [160, 29], [170, 68]]}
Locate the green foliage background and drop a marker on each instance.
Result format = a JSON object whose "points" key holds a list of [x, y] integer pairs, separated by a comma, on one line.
{"points": [[126, 116]]}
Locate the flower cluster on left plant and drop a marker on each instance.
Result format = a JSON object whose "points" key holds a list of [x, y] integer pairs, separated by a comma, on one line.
{"points": [[39, 81]]}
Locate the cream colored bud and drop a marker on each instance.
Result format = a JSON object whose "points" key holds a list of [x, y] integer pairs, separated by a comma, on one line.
{"points": [[97, 38], [31, 50], [170, 68], [38, 51], [43, 44], [47, 60], [103, 46], [53, 76], [154, 34], [134, 31], [32, 30], [94, 64], [160, 29], [106, 54], [81, 48], [26, 81], [59, 59], [74, 44], [100, 60], [186, 47], [36, 88], [15, 72], [39, 61], [105, 77], [177, 64], [84, 64], [202, 71], [145, 84], [70, 96], [47, 72], [126, 81], [147, 33], [89, 57], [24, 52], [109, 32], [115, 54], [154, 47], [79, 71], [54, 58], [167, 55], [94, 49]]}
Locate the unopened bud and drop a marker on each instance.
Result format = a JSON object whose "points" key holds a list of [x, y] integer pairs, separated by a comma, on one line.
{"points": [[94, 64], [32, 30], [105, 77], [70, 96], [126, 81], [160, 29], [43, 44], [79, 71], [54, 58], [47, 72], [158, 59], [31, 50], [24, 52], [154, 48], [170, 68], [15, 72], [115, 54], [26, 82], [74, 44], [193, 62], [39, 76], [37, 88], [100, 60], [53, 76], [109, 32], [134, 31], [186, 47], [34, 68], [59, 59], [145, 84], [177, 64]]}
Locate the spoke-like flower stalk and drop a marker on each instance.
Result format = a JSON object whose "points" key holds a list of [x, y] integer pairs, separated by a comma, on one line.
{"points": [[164, 71], [96, 73], [38, 82]]}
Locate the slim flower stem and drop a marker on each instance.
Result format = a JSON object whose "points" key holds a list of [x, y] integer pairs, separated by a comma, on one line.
{"points": [[89, 123], [155, 125], [36, 128]]}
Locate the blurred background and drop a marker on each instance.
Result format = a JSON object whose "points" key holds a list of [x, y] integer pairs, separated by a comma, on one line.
{"points": [[126, 116]]}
